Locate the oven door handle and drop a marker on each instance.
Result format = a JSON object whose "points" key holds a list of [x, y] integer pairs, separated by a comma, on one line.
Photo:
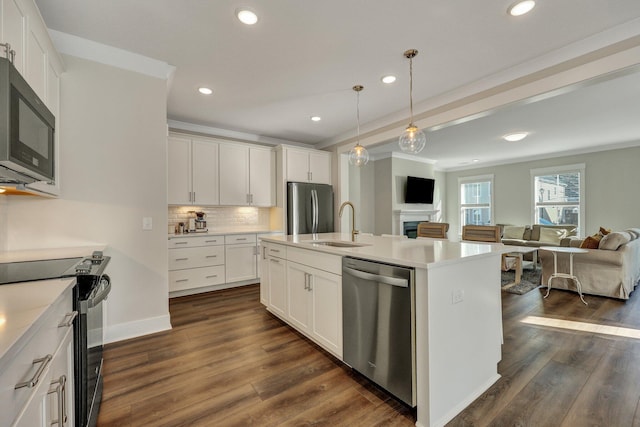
{"points": [[105, 283]]}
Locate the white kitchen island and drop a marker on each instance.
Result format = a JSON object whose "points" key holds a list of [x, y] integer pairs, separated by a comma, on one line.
{"points": [[458, 311]]}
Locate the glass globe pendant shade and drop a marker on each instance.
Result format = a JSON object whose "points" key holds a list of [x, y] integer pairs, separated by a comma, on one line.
{"points": [[358, 156], [412, 140]]}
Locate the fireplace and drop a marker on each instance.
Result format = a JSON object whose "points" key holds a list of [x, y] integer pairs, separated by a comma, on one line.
{"points": [[410, 229], [400, 217]]}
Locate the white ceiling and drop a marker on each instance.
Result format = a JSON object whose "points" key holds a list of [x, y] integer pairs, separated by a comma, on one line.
{"points": [[302, 59]]}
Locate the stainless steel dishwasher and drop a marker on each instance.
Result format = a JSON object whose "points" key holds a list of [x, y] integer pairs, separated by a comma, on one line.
{"points": [[378, 304]]}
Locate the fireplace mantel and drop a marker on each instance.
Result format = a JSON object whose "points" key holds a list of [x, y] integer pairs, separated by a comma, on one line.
{"points": [[402, 215]]}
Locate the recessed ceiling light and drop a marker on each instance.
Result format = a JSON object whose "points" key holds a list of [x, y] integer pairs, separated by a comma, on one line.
{"points": [[205, 91], [247, 16], [2, 190], [475, 160], [521, 7], [316, 118], [388, 79], [516, 136]]}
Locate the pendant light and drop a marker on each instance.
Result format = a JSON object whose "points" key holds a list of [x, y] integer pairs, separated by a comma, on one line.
{"points": [[358, 155], [412, 140]]}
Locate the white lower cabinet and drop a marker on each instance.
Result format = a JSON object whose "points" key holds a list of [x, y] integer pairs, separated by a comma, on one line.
{"points": [[315, 304], [277, 283], [205, 263], [304, 288], [241, 254], [36, 386], [196, 262], [53, 398]]}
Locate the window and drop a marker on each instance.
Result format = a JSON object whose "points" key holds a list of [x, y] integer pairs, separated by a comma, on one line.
{"points": [[558, 195], [476, 200]]}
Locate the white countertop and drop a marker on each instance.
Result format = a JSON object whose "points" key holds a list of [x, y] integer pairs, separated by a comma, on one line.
{"points": [[419, 253], [21, 306], [220, 232], [50, 253]]}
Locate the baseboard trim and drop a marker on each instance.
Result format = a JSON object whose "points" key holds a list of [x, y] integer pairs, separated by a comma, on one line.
{"points": [[125, 331]]}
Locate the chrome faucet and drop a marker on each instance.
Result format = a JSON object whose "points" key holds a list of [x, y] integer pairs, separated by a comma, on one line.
{"points": [[353, 219]]}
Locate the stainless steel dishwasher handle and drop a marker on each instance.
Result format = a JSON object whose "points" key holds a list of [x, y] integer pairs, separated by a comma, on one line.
{"points": [[393, 281]]}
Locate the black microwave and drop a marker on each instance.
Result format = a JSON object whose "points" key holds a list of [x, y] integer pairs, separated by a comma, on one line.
{"points": [[27, 128]]}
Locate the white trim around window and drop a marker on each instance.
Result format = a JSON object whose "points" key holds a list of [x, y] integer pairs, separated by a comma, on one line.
{"points": [[475, 180], [579, 168]]}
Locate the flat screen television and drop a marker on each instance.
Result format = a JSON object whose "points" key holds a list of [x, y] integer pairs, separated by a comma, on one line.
{"points": [[419, 190]]}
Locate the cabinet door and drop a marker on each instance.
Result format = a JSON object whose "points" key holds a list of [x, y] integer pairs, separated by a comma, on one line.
{"points": [[14, 28], [262, 177], [263, 273], [299, 295], [297, 165], [179, 171], [37, 61], [240, 262], [204, 160], [278, 286], [61, 401], [234, 175], [326, 310], [320, 167]]}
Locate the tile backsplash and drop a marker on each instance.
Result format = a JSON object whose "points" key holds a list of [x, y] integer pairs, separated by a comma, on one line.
{"points": [[223, 217]]}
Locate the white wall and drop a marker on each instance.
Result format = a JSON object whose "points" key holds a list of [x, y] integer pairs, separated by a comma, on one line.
{"points": [[611, 197], [113, 173]]}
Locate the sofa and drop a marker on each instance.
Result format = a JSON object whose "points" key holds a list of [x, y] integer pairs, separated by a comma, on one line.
{"points": [[538, 235], [612, 270]]}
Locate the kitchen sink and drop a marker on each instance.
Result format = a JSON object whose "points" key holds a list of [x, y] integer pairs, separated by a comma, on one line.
{"points": [[337, 243]]}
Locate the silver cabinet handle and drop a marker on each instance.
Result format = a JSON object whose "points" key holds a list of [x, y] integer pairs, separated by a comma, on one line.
{"points": [[264, 252], [210, 241], [43, 361], [310, 282], [242, 239], [181, 259], [68, 319], [182, 280], [211, 256], [275, 250], [60, 389], [277, 261], [181, 243], [211, 277]]}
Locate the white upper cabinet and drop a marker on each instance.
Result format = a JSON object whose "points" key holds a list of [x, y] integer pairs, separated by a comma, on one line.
{"points": [[204, 161], [192, 172], [262, 176], [247, 175], [234, 175], [308, 166], [14, 28]]}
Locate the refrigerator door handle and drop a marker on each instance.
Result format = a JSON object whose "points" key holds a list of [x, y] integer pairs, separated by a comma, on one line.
{"points": [[314, 202]]}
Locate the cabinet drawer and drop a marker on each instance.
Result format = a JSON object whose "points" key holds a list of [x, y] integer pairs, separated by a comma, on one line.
{"points": [[25, 365], [195, 241], [196, 257], [239, 238], [277, 251], [320, 260], [196, 278]]}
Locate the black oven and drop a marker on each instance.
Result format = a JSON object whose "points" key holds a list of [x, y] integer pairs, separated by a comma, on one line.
{"points": [[92, 288]]}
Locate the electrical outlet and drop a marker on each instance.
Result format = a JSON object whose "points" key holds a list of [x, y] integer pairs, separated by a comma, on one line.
{"points": [[147, 223], [457, 296]]}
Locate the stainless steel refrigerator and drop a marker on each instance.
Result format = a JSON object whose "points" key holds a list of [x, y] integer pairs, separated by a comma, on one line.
{"points": [[309, 208]]}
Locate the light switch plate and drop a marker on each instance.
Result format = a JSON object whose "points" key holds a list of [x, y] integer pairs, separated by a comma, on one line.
{"points": [[147, 223]]}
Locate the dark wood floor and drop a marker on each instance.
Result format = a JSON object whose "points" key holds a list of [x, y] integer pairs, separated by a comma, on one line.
{"points": [[228, 362]]}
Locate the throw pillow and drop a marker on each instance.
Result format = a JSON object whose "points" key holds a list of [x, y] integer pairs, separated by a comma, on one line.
{"points": [[552, 235], [591, 242], [614, 240], [604, 231], [513, 232]]}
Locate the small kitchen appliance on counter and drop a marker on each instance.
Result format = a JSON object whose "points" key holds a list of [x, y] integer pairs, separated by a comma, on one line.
{"points": [[201, 223]]}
